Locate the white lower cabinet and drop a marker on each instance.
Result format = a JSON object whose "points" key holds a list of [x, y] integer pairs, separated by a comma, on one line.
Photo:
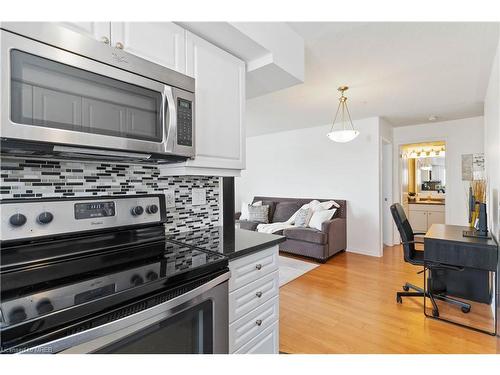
{"points": [[422, 216], [265, 343], [254, 303]]}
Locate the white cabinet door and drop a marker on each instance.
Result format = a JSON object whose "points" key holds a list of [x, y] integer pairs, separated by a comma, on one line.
{"points": [[435, 217], [252, 267], [97, 30], [418, 220], [265, 343], [220, 103], [163, 43], [253, 324]]}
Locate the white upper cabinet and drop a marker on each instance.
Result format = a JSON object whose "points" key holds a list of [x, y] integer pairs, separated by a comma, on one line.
{"points": [[161, 42], [219, 106], [96, 30]]}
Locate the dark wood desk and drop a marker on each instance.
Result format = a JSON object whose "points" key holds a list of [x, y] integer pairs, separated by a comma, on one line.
{"points": [[445, 244]]}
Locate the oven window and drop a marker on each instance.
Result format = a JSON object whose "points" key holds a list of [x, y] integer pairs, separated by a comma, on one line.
{"points": [[53, 95], [189, 332]]}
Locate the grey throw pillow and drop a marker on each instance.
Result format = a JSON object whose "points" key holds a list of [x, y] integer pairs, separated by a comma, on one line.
{"points": [[258, 213], [303, 216]]}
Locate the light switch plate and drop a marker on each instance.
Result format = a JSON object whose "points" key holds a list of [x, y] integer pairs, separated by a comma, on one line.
{"points": [[169, 198], [199, 196]]}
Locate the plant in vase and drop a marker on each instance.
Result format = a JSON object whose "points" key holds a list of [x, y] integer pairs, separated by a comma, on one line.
{"points": [[477, 210], [477, 193]]}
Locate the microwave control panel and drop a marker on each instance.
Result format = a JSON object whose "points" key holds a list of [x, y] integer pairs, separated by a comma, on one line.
{"points": [[184, 122]]}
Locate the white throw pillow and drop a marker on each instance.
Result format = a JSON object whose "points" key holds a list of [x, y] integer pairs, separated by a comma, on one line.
{"points": [[313, 204], [303, 217], [244, 209], [325, 205], [319, 217], [304, 207]]}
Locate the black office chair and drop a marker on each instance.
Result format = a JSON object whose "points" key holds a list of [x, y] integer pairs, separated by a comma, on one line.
{"points": [[416, 257]]}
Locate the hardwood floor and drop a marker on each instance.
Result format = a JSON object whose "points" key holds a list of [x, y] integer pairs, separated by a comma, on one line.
{"points": [[348, 305]]}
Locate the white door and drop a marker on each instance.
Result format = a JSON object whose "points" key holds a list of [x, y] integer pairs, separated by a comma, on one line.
{"points": [[435, 217], [387, 220], [96, 30], [220, 103], [163, 43], [418, 221]]}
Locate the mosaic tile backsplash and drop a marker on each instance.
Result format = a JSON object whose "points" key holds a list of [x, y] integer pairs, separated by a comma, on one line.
{"points": [[40, 178]]}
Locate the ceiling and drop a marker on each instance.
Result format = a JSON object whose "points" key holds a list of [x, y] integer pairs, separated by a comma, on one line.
{"points": [[404, 72]]}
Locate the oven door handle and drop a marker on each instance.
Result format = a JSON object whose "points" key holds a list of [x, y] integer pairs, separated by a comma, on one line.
{"points": [[149, 316]]}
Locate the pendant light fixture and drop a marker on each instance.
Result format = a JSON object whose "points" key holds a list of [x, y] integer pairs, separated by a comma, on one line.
{"points": [[346, 133]]}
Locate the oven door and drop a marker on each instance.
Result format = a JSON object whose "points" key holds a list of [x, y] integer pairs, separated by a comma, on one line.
{"points": [[193, 323], [58, 97]]}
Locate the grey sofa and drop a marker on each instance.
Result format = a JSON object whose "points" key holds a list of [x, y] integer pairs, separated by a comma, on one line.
{"points": [[318, 244]]}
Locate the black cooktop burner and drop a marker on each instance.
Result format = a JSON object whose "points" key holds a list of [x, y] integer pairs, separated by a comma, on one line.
{"points": [[176, 264]]}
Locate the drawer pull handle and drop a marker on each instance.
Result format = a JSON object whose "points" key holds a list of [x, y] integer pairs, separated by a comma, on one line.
{"points": [[258, 294], [258, 266], [258, 322]]}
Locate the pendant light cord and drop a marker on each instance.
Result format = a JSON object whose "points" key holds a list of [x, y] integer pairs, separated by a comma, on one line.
{"points": [[345, 108]]}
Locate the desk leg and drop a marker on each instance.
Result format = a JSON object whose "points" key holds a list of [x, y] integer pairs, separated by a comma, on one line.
{"points": [[435, 308]]}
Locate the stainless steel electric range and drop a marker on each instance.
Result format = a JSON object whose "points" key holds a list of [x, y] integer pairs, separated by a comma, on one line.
{"points": [[97, 275]]}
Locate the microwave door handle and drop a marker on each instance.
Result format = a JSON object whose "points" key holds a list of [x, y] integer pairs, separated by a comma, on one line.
{"points": [[169, 119]]}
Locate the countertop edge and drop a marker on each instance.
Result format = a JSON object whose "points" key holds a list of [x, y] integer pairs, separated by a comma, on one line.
{"points": [[255, 248]]}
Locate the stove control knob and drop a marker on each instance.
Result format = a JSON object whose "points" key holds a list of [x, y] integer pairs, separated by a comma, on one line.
{"points": [[17, 315], [137, 210], [151, 276], [152, 209], [44, 306], [45, 217], [17, 220], [136, 280]]}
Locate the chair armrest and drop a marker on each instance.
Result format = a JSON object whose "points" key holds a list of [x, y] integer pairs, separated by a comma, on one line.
{"points": [[419, 233], [336, 230], [409, 242], [237, 215]]}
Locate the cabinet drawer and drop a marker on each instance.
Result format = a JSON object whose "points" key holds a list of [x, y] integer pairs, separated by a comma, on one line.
{"points": [[252, 267], [251, 325], [266, 342], [251, 296]]}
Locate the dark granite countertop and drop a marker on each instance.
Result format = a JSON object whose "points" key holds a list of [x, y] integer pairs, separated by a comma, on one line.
{"points": [[235, 244]]}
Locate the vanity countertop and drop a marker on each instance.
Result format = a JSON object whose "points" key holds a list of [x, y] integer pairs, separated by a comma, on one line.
{"points": [[432, 202]]}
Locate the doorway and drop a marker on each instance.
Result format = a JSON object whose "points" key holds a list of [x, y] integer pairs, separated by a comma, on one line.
{"points": [[423, 183], [387, 169]]}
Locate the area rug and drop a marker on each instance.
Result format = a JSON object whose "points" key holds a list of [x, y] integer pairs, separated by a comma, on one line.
{"points": [[290, 269]]}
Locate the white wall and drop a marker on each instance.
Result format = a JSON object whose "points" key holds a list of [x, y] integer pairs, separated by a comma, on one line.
{"points": [[387, 227], [492, 145], [304, 163], [492, 155], [465, 136]]}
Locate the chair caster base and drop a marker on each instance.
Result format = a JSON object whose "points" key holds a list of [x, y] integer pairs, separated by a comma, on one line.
{"points": [[406, 288], [435, 313], [399, 299], [465, 309]]}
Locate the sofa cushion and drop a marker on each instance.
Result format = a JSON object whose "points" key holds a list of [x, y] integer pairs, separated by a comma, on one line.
{"points": [[272, 207], [306, 234], [247, 224], [284, 211], [258, 213]]}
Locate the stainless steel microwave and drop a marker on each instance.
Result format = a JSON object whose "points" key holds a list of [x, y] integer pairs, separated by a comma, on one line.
{"points": [[66, 94]]}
